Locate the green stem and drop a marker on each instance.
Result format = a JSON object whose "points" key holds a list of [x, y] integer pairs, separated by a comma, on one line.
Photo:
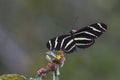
{"points": [[38, 77], [55, 76]]}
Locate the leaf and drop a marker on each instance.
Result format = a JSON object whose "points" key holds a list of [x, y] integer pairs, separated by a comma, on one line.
{"points": [[12, 77]]}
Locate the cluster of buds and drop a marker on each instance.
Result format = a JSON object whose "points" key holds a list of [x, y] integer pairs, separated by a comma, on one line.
{"points": [[55, 60]]}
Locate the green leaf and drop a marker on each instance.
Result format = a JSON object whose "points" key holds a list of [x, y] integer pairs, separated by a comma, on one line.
{"points": [[12, 77]]}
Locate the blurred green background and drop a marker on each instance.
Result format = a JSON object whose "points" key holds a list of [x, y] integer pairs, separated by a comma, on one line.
{"points": [[26, 26]]}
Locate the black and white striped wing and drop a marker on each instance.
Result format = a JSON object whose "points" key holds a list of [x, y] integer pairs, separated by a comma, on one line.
{"points": [[86, 36], [62, 42], [82, 38], [83, 42]]}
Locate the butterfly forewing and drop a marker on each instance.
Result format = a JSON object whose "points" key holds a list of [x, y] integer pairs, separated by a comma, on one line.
{"points": [[62, 42], [91, 31], [86, 36]]}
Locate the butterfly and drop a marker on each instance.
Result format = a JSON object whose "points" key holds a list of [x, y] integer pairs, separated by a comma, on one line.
{"points": [[81, 38]]}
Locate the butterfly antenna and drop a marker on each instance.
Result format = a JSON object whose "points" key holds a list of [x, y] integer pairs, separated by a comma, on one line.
{"points": [[73, 24]]}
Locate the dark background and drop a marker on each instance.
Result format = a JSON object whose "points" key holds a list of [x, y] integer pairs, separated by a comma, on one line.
{"points": [[26, 26]]}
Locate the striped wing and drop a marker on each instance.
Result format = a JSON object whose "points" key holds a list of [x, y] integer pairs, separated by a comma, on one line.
{"points": [[62, 42], [82, 38], [86, 36]]}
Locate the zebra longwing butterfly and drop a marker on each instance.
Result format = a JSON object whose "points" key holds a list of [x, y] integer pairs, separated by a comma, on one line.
{"points": [[82, 38]]}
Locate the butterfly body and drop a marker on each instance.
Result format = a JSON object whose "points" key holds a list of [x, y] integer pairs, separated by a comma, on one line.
{"points": [[82, 38]]}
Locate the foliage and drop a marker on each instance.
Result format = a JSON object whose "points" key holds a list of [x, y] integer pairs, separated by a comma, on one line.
{"points": [[12, 77]]}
